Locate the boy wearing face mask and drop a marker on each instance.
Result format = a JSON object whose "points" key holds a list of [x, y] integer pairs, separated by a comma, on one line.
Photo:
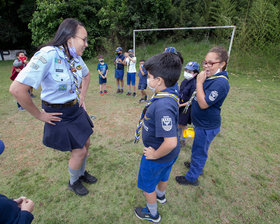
{"points": [[187, 88], [18, 65], [160, 132], [102, 69], [119, 63]]}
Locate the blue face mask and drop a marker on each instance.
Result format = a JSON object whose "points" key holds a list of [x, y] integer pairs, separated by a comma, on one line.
{"points": [[72, 51]]}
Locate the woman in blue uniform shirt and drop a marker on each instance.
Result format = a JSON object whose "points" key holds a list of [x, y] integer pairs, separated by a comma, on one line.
{"points": [[211, 90], [60, 70]]}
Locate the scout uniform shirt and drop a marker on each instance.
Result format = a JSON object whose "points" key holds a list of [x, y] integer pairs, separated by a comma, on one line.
{"points": [[49, 68]]}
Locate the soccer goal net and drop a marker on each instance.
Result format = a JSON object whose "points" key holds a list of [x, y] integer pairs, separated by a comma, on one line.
{"points": [[193, 42]]}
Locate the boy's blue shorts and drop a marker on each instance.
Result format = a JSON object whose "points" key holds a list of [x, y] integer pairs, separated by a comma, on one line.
{"points": [[151, 173], [131, 78], [142, 85], [119, 74], [101, 81]]}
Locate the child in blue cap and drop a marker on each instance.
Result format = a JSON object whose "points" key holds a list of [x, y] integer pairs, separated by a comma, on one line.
{"points": [[187, 88]]}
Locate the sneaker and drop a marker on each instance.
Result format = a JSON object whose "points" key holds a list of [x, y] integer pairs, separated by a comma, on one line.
{"points": [[118, 91], [187, 164], [128, 94], [78, 188], [87, 178], [134, 94], [101, 93], [141, 100], [162, 199], [106, 92], [144, 214], [183, 181], [21, 109], [121, 91]]}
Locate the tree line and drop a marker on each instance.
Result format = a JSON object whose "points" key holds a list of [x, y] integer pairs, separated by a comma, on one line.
{"points": [[30, 23]]}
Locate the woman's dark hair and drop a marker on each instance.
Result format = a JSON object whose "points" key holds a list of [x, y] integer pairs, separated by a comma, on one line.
{"points": [[165, 65], [222, 54], [66, 30]]}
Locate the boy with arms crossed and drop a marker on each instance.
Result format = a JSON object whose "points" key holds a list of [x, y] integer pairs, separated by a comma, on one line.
{"points": [[160, 131]]}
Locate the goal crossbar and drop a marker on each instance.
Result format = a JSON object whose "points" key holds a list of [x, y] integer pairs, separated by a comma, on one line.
{"points": [[189, 28]]}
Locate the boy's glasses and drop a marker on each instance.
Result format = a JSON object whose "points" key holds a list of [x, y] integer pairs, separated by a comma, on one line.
{"points": [[84, 39], [205, 63]]}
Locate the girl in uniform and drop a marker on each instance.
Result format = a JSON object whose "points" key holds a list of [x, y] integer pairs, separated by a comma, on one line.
{"points": [[60, 70]]}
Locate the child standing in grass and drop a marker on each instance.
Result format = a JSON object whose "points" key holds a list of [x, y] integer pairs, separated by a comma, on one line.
{"points": [[187, 88], [18, 65], [131, 72], [160, 132], [142, 81], [102, 69]]}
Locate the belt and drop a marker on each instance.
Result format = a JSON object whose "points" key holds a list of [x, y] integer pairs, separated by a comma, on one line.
{"points": [[67, 104]]}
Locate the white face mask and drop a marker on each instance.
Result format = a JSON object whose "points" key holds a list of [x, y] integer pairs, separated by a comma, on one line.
{"points": [[219, 70], [148, 83], [188, 75]]}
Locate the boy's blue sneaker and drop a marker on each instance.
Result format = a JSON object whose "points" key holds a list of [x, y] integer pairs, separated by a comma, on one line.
{"points": [[21, 109], [162, 199], [144, 214]]}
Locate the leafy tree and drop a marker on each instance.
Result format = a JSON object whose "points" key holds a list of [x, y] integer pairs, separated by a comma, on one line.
{"points": [[50, 13]]}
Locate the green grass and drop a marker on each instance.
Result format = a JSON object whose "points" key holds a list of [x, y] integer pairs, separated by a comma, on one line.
{"points": [[241, 178]]}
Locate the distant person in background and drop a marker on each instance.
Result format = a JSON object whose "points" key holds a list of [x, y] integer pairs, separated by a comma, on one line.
{"points": [[142, 81], [131, 72], [212, 87], [19, 63], [187, 89], [16, 211], [102, 69], [119, 63], [60, 70]]}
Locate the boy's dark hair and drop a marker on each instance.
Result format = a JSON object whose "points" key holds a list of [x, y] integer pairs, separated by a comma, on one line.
{"points": [[142, 60], [17, 54], [168, 66], [100, 56]]}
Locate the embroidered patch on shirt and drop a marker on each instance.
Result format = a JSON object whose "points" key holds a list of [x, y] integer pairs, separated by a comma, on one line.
{"points": [[79, 67], [62, 87], [213, 95], [41, 59], [33, 65], [56, 60], [166, 123]]}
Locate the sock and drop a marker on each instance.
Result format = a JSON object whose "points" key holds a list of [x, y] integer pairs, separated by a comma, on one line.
{"points": [[121, 87], [152, 208], [160, 193], [83, 167], [128, 91], [74, 175], [118, 86]]}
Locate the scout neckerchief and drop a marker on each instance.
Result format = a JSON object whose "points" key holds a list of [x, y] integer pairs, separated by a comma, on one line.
{"points": [[154, 97], [73, 70], [194, 92]]}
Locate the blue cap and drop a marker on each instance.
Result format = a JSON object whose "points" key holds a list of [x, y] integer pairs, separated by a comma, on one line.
{"points": [[130, 51], [170, 50], [193, 65], [2, 147], [119, 49]]}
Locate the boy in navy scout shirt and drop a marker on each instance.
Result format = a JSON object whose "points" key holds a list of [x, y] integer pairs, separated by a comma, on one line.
{"points": [[160, 132], [102, 69]]}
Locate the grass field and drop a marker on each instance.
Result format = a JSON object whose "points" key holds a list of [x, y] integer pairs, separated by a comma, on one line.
{"points": [[241, 181]]}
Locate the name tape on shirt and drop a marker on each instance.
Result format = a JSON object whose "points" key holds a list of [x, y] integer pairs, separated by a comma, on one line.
{"points": [[166, 123]]}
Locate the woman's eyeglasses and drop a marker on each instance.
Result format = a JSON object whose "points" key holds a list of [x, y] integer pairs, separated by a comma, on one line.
{"points": [[84, 39], [205, 63]]}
